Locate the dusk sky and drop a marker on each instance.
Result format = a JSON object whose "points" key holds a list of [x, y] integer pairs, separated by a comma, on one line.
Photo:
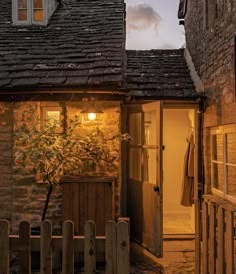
{"points": [[153, 24]]}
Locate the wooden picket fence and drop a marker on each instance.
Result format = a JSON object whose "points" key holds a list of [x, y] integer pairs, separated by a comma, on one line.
{"points": [[218, 236], [113, 247]]}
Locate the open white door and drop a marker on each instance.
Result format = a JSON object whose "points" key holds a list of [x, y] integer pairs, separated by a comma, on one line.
{"points": [[145, 175]]}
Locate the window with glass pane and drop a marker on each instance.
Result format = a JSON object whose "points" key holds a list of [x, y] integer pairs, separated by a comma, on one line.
{"points": [[150, 128], [231, 163], [217, 147], [218, 176], [223, 160], [135, 161], [38, 10], [149, 168], [135, 128], [217, 161], [22, 10]]}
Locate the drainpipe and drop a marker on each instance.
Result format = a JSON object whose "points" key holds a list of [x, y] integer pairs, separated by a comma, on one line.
{"points": [[201, 110], [200, 187]]}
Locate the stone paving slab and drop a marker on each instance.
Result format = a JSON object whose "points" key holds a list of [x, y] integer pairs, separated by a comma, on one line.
{"points": [[178, 259]]}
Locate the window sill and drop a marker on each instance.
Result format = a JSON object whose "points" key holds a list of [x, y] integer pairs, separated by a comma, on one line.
{"points": [[220, 201]]}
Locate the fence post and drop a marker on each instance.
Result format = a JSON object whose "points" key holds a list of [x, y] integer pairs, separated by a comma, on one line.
{"points": [[4, 247], [68, 248], [212, 239], [230, 242], [90, 247], [123, 248], [46, 248], [110, 248], [205, 235], [25, 244], [221, 239]]}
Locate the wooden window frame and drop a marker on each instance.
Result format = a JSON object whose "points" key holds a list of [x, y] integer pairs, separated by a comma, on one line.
{"points": [[45, 109], [222, 130], [30, 13]]}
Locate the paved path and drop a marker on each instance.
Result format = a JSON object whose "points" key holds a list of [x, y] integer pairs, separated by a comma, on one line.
{"points": [[178, 259]]}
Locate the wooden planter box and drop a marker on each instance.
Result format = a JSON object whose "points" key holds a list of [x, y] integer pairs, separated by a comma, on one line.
{"points": [[88, 198]]}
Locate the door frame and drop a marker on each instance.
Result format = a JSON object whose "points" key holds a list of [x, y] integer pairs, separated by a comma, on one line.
{"points": [[197, 134]]}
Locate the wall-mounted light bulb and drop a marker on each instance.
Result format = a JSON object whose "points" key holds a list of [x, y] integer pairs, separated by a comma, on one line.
{"points": [[92, 116]]}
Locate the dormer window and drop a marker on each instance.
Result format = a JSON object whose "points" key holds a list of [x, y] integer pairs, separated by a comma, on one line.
{"points": [[29, 12], [38, 11], [22, 10]]}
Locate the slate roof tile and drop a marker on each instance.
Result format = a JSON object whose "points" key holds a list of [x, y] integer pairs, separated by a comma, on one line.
{"points": [[82, 43], [159, 73]]}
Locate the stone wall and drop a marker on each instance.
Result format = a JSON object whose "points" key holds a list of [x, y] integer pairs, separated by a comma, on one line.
{"points": [[22, 197], [6, 153], [211, 45], [210, 33]]}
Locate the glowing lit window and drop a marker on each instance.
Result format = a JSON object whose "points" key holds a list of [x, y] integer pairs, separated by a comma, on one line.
{"points": [[52, 118], [22, 10], [38, 11], [31, 11]]}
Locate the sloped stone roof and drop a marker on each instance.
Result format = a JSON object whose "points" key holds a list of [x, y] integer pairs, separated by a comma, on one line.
{"points": [[159, 73], [83, 45]]}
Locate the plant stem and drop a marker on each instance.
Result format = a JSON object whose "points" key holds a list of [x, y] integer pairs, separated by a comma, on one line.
{"points": [[47, 201]]}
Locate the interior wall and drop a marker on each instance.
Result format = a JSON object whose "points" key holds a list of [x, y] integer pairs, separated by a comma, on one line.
{"points": [[177, 126]]}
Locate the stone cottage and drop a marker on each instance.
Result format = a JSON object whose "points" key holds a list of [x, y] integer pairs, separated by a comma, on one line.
{"points": [[210, 36], [57, 56]]}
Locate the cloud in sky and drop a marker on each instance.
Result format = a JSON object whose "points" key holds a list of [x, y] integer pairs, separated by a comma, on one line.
{"points": [[142, 17]]}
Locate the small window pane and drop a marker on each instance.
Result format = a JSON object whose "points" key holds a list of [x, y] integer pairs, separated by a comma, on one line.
{"points": [[150, 128], [135, 164], [231, 179], [53, 117], [135, 128], [231, 148], [22, 4], [218, 176], [38, 15], [22, 15], [38, 4], [149, 165], [217, 148]]}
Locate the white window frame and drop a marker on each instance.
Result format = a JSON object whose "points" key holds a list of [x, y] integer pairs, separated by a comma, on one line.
{"points": [[30, 14], [223, 130]]}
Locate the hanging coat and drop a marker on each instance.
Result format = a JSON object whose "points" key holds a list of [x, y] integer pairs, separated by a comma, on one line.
{"points": [[187, 194]]}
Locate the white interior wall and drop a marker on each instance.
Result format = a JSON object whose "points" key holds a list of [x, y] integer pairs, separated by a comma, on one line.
{"points": [[177, 126]]}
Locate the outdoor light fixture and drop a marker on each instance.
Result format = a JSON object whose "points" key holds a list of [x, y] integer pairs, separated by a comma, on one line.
{"points": [[92, 110]]}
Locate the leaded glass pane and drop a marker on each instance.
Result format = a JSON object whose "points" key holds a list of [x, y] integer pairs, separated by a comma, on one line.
{"points": [[231, 148], [231, 179], [150, 128], [22, 15], [149, 165], [38, 15], [135, 128], [135, 155], [218, 176], [22, 4], [217, 147], [38, 4]]}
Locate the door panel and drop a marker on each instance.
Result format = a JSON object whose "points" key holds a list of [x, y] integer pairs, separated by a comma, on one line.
{"points": [[145, 175]]}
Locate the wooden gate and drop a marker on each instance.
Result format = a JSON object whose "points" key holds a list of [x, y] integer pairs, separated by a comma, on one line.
{"points": [[218, 236], [88, 198], [114, 246]]}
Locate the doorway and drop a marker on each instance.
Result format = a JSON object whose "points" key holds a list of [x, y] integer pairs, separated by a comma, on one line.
{"points": [[178, 125]]}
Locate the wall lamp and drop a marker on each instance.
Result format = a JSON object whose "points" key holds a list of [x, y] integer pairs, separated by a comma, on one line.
{"points": [[92, 110]]}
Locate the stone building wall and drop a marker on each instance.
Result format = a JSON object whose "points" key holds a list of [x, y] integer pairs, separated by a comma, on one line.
{"points": [[211, 45], [210, 27], [22, 198], [6, 153]]}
